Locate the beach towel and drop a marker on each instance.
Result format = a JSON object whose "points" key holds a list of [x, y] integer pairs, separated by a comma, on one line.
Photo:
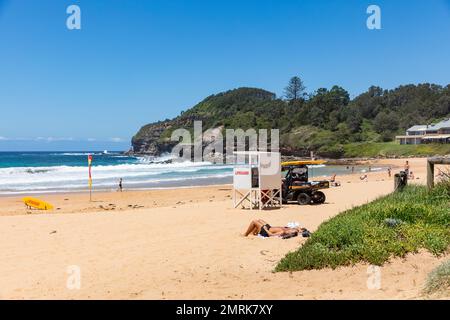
{"points": [[293, 224]]}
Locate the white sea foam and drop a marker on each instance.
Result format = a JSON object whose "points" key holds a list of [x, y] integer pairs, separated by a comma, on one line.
{"points": [[316, 166], [17, 179]]}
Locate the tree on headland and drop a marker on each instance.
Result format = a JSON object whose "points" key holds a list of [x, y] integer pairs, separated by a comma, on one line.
{"points": [[295, 89]]}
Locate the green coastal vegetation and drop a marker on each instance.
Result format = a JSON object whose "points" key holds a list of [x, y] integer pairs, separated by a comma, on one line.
{"points": [[326, 121], [391, 226], [394, 149]]}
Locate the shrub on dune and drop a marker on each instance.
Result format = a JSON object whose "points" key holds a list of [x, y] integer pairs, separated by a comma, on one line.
{"points": [[393, 225]]}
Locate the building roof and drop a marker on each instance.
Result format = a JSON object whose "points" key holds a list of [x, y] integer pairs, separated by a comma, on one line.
{"points": [[443, 124], [434, 127], [418, 128], [410, 137]]}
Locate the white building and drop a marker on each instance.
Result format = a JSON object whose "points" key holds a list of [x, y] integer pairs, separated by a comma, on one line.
{"points": [[435, 133]]}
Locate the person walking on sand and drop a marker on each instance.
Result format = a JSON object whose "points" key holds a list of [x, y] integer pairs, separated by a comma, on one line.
{"points": [[120, 185], [389, 172]]}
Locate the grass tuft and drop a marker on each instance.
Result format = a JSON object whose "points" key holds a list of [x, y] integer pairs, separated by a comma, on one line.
{"points": [[393, 225], [439, 279]]}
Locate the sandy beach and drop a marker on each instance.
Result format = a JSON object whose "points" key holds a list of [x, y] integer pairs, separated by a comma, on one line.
{"points": [[187, 243]]}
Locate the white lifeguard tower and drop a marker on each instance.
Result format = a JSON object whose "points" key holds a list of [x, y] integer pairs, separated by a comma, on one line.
{"points": [[257, 179]]}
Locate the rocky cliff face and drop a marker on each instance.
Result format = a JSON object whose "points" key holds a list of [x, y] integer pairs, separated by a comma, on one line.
{"points": [[154, 139], [148, 141]]}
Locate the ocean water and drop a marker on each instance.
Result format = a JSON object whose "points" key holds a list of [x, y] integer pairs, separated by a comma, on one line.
{"points": [[42, 172]]}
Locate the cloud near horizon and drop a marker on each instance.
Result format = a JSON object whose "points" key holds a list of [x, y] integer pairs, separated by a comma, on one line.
{"points": [[117, 140], [51, 139]]}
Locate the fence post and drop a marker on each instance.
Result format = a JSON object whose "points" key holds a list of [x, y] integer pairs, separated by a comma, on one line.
{"points": [[400, 180], [430, 174]]}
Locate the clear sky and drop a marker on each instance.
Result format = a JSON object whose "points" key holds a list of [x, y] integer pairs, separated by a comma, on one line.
{"points": [[135, 62]]}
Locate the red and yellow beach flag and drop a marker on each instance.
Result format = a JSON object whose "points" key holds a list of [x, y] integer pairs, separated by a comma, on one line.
{"points": [[90, 175]]}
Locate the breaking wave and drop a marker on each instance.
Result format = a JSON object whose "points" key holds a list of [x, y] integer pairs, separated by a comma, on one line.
{"points": [[143, 172]]}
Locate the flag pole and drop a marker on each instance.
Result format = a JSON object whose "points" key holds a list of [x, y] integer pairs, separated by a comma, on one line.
{"points": [[90, 177]]}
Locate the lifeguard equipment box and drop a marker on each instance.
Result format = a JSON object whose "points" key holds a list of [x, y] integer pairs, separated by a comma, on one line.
{"points": [[257, 179]]}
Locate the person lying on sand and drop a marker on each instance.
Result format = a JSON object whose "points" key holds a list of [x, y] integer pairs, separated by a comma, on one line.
{"points": [[262, 228]]}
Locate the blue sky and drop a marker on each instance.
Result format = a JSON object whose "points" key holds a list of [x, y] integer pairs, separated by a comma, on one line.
{"points": [[135, 62]]}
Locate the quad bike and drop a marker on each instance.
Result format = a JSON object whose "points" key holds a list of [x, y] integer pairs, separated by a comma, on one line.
{"points": [[296, 185]]}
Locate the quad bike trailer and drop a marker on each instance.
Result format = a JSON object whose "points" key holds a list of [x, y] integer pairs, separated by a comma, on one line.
{"points": [[296, 185]]}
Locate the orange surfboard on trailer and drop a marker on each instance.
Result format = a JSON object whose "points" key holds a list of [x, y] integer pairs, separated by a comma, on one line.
{"points": [[37, 204]]}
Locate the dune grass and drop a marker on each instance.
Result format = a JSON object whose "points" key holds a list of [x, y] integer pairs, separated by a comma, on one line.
{"points": [[393, 225], [439, 279]]}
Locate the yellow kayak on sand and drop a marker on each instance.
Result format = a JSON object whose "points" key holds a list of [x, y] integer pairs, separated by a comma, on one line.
{"points": [[37, 204]]}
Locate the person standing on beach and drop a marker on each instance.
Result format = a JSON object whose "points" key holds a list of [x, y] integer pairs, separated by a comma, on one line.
{"points": [[353, 169], [406, 167], [120, 185], [389, 172]]}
